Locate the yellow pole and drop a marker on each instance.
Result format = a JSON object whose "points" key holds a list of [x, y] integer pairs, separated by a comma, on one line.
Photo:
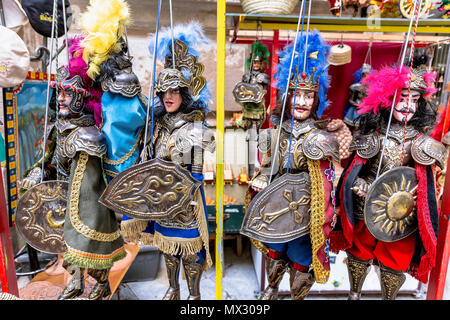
{"points": [[220, 117]]}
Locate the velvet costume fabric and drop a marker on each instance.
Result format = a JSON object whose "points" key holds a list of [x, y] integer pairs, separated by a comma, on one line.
{"points": [[414, 254], [83, 251]]}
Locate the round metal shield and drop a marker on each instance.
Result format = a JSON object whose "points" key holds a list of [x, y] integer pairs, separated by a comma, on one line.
{"points": [[248, 92], [280, 212], [155, 189], [40, 216], [389, 210]]}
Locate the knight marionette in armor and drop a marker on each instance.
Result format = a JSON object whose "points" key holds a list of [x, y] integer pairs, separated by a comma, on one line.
{"points": [[388, 211], [162, 198], [290, 216], [124, 107], [249, 93], [91, 233]]}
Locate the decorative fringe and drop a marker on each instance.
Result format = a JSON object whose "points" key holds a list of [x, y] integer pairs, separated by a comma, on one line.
{"points": [[199, 213], [97, 263], [146, 239], [176, 245], [132, 229], [317, 219]]}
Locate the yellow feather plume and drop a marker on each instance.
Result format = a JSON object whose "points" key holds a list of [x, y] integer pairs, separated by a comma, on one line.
{"points": [[103, 24]]}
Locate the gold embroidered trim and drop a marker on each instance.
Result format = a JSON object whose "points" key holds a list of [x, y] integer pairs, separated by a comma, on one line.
{"points": [[317, 219], [74, 198], [125, 157], [260, 246], [93, 261]]}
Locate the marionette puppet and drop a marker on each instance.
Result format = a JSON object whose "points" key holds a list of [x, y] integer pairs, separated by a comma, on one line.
{"points": [[162, 197], [249, 94], [73, 170], [388, 213], [290, 216]]}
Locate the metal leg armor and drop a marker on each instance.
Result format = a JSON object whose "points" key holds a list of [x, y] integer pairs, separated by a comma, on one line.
{"points": [[101, 288], [193, 272], [75, 287], [300, 283], [275, 271], [391, 282], [173, 271], [357, 272]]}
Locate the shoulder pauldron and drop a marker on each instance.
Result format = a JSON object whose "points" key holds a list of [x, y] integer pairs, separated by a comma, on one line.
{"points": [[87, 139], [321, 145], [427, 151], [366, 146]]}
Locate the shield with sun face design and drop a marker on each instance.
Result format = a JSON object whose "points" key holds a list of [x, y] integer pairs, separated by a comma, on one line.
{"points": [[389, 210]]}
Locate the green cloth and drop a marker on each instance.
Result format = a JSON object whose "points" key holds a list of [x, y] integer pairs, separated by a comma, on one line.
{"points": [[84, 251]]}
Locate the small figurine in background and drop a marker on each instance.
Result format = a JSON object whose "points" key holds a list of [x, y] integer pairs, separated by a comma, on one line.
{"points": [[249, 93], [357, 93]]}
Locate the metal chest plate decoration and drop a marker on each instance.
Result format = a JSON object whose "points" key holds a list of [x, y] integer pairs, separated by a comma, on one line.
{"points": [[248, 92], [389, 210], [40, 216], [281, 211], [155, 189]]}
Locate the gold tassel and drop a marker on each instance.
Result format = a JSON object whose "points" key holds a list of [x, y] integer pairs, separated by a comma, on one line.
{"points": [[199, 213], [132, 229], [317, 219], [175, 245]]}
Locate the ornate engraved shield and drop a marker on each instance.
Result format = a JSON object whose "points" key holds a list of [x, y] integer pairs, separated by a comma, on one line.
{"points": [[389, 210], [248, 92], [280, 212], [40, 216], [155, 189]]}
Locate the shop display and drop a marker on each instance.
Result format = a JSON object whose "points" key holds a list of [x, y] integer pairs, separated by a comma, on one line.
{"points": [[388, 208], [329, 198]]}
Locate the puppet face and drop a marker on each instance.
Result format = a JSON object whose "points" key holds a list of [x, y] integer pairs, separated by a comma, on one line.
{"points": [[304, 101], [64, 100], [407, 106], [257, 65], [172, 100]]}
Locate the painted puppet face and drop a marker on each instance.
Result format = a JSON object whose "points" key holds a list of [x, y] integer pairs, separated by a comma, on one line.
{"points": [[257, 65], [407, 106], [172, 100], [304, 101], [64, 100]]}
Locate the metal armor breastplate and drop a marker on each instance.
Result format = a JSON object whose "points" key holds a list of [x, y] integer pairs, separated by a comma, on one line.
{"points": [[395, 148], [297, 156]]}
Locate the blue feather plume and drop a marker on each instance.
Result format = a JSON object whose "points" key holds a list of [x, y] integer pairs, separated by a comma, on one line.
{"points": [[315, 43], [192, 34]]}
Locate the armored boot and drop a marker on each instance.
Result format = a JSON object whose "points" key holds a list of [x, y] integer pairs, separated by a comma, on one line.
{"points": [[75, 287], [391, 282], [357, 273], [173, 271], [275, 271], [101, 288], [193, 272], [300, 283]]}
